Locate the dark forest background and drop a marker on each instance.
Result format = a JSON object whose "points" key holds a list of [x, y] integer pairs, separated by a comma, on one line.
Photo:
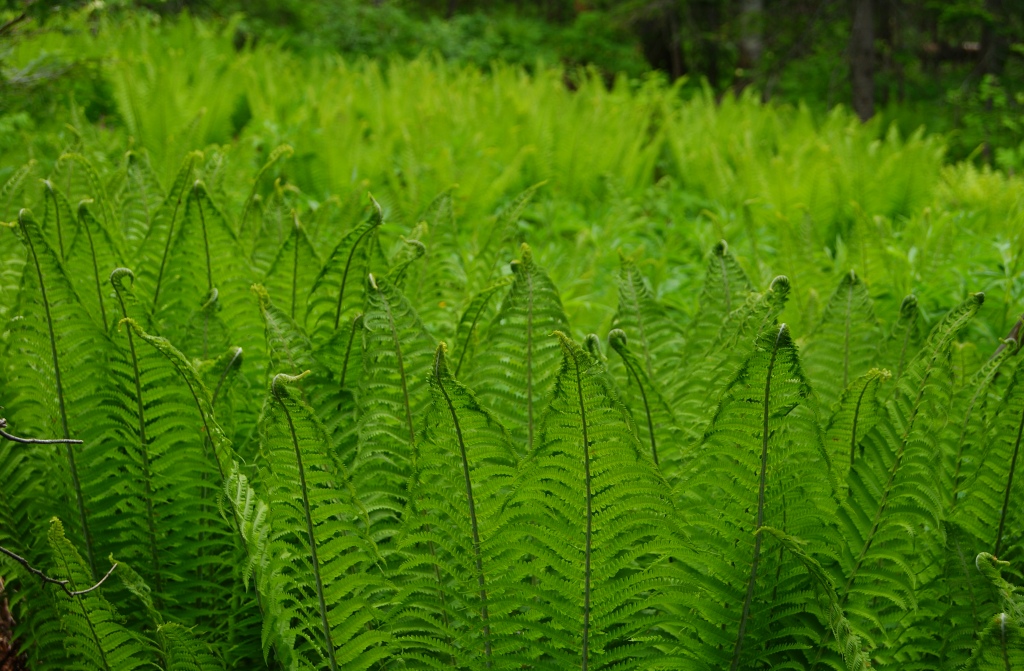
{"points": [[952, 66]]}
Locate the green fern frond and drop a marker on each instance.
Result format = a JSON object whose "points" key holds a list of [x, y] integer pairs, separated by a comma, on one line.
{"points": [[725, 289], [59, 222], [651, 412], [293, 270], [891, 518], [846, 638], [737, 334], [58, 348], [94, 637], [319, 578], [93, 186], [346, 266], [154, 251], [464, 473], [139, 198], [176, 471], [394, 397], [904, 339], [845, 343], [281, 152], [591, 524], [761, 463], [466, 333], [95, 252], [1001, 646], [514, 375], [853, 416]]}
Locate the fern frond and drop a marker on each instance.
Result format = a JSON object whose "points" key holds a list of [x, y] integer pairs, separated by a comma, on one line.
{"points": [[347, 264], [1001, 645], [93, 636], [293, 270], [466, 332], [903, 341], [397, 357], [846, 639], [514, 375], [725, 289], [320, 576], [591, 525], [736, 338], [155, 249], [761, 463], [657, 420], [853, 417], [844, 344], [891, 518], [95, 252], [58, 348], [139, 198], [647, 324], [464, 473]]}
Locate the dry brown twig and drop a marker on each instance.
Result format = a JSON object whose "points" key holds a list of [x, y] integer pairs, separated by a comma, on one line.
{"points": [[63, 584]]}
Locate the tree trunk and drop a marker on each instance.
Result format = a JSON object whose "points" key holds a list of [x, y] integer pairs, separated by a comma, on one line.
{"points": [[751, 32], [995, 48], [862, 59]]}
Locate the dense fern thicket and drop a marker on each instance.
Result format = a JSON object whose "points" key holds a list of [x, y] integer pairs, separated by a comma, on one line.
{"points": [[581, 423]]}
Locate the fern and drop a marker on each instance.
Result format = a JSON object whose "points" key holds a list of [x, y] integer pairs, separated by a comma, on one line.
{"points": [[893, 491], [93, 636], [94, 253], [58, 341], [844, 344], [346, 264], [318, 577], [658, 421], [1001, 645], [591, 525], [761, 463], [397, 355], [514, 375], [464, 473]]}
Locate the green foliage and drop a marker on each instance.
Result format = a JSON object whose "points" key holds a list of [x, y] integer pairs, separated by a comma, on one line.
{"points": [[326, 431]]}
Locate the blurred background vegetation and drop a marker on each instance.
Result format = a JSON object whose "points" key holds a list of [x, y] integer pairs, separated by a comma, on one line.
{"points": [[955, 67]]}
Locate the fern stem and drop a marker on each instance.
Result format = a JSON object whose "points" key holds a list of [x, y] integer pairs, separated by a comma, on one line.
{"points": [[348, 349], [170, 234], [587, 550], [206, 240], [344, 275], [144, 453], [647, 407], [745, 614], [438, 362], [1009, 486], [76, 481], [82, 221], [856, 419], [56, 213], [309, 527], [295, 263]]}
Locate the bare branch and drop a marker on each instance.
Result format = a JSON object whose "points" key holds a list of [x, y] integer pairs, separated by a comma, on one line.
{"points": [[63, 584], [34, 441]]}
